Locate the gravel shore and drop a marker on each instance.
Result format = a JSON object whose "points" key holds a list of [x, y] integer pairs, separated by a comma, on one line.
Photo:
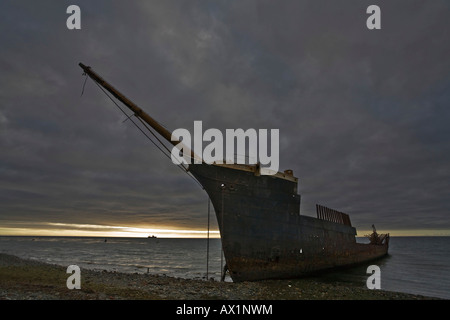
{"points": [[31, 280]]}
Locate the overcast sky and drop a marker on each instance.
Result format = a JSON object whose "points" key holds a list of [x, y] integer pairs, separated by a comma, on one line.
{"points": [[363, 114]]}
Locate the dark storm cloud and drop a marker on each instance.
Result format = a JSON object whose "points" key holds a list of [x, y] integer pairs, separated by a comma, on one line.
{"points": [[363, 115]]}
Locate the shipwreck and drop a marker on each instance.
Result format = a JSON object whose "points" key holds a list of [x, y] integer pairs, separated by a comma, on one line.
{"points": [[263, 234]]}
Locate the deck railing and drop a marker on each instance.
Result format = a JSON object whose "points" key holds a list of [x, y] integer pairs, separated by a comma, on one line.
{"points": [[332, 215]]}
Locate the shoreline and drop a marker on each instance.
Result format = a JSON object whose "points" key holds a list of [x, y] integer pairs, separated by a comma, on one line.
{"points": [[22, 279]]}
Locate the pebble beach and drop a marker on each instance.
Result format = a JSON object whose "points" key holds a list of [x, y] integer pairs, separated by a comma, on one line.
{"points": [[22, 279]]}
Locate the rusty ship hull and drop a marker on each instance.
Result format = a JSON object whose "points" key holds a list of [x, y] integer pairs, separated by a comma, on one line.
{"points": [[263, 234]]}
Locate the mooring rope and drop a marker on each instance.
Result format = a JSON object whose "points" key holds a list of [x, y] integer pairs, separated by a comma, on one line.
{"points": [[207, 242], [222, 274]]}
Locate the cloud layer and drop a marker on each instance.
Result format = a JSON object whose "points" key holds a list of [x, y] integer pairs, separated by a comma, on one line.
{"points": [[363, 115]]}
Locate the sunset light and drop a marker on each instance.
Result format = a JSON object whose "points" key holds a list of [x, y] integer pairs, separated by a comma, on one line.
{"points": [[95, 230], [92, 230]]}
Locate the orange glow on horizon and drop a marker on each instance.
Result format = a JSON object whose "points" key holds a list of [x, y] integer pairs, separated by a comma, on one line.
{"points": [[92, 230]]}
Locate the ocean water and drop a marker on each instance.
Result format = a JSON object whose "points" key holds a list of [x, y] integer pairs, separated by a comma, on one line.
{"points": [[183, 258], [417, 265]]}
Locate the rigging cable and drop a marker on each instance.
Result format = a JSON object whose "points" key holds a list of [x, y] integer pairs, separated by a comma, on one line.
{"points": [[84, 84], [145, 134]]}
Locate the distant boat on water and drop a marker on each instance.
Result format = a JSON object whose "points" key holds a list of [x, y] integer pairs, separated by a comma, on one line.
{"points": [[152, 237]]}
